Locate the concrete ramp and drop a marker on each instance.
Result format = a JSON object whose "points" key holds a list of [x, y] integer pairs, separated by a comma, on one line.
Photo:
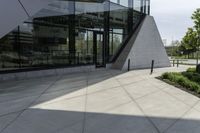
{"points": [[145, 45], [15, 12]]}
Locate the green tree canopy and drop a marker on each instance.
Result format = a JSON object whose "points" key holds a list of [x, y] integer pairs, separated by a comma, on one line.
{"points": [[191, 40], [196, 19]]}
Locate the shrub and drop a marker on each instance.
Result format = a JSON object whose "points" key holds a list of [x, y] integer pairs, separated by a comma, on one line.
{"points": [[172, 76], [194, 87], [192, 76], [193, 70], [165, 76], [182, 80]]}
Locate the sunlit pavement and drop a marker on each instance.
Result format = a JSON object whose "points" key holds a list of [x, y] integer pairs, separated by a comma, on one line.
{"points": [[103, 101]]}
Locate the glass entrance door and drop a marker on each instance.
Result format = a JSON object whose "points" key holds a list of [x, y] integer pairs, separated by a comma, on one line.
{"points": [[99, 49]]}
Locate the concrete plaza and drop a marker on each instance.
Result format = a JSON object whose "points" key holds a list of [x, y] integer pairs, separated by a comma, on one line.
{"points": [[102, 101]]}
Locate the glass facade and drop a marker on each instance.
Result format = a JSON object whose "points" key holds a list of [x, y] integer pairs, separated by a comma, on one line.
{"points": [[138, 5], [68, 33]]}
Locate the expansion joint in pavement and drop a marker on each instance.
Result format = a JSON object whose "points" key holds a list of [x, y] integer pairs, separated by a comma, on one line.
{"points": [[85, 105], [181, 117], [30, 105], [133, 100]]}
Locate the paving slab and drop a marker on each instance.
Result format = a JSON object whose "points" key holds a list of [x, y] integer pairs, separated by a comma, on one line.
{"points": [[162, 109], [126, 118], [45, 121], [190, 123], [105, 100], [101, 101], [186, 97], [140, 89], [6, 120], [197, 106], [62, 94], [102, 85], [129, 80], [15, 105], [63, 104]]}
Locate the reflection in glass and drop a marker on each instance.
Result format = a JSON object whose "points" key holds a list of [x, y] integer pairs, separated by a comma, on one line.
{"points": [[62, 34], [84, 47], [124, 3], [118, 27], [99, 50], [137, 5]]}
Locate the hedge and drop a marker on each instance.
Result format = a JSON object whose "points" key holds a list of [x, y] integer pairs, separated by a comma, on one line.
{"points": [[180, 79]]}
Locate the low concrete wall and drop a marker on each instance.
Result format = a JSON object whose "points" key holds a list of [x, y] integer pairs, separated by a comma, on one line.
{"points": [[45, 73]]}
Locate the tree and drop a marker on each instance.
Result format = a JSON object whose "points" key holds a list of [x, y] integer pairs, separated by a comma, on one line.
{"points": [[174, 48], [196, 18], [189, 42]]}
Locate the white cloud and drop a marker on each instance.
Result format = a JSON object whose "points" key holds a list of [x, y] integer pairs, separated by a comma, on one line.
{"points": [[173, 17]]}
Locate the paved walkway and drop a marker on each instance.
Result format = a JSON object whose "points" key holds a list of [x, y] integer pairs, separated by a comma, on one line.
{"points": [[104, 101]]}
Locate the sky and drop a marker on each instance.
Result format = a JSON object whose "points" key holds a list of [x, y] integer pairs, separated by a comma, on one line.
{"points": [[173, 17]]}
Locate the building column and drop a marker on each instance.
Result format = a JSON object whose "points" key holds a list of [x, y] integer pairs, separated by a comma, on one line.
{"points": [[72, 48], [142, 6], [130, 16], [148, 7], [145, 1], [106, 31]]}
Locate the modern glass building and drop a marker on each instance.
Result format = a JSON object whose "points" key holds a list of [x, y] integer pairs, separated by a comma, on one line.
{"points": [[72, 32], [68, 33]]}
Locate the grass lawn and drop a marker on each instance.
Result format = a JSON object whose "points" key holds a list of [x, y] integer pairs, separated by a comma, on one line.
{"points": [[188, 80]]}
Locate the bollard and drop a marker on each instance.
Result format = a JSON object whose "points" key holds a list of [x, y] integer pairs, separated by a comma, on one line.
{"points": [[129, 64], [173, 63], [152, 66], [177, 63]]}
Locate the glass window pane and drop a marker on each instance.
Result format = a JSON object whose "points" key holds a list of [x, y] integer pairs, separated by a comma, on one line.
{"points": [[114, 1], [9, 51], [43, 40], [89, 18], [84, 47], [137, 5], [118, 27], [124, 3]]}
